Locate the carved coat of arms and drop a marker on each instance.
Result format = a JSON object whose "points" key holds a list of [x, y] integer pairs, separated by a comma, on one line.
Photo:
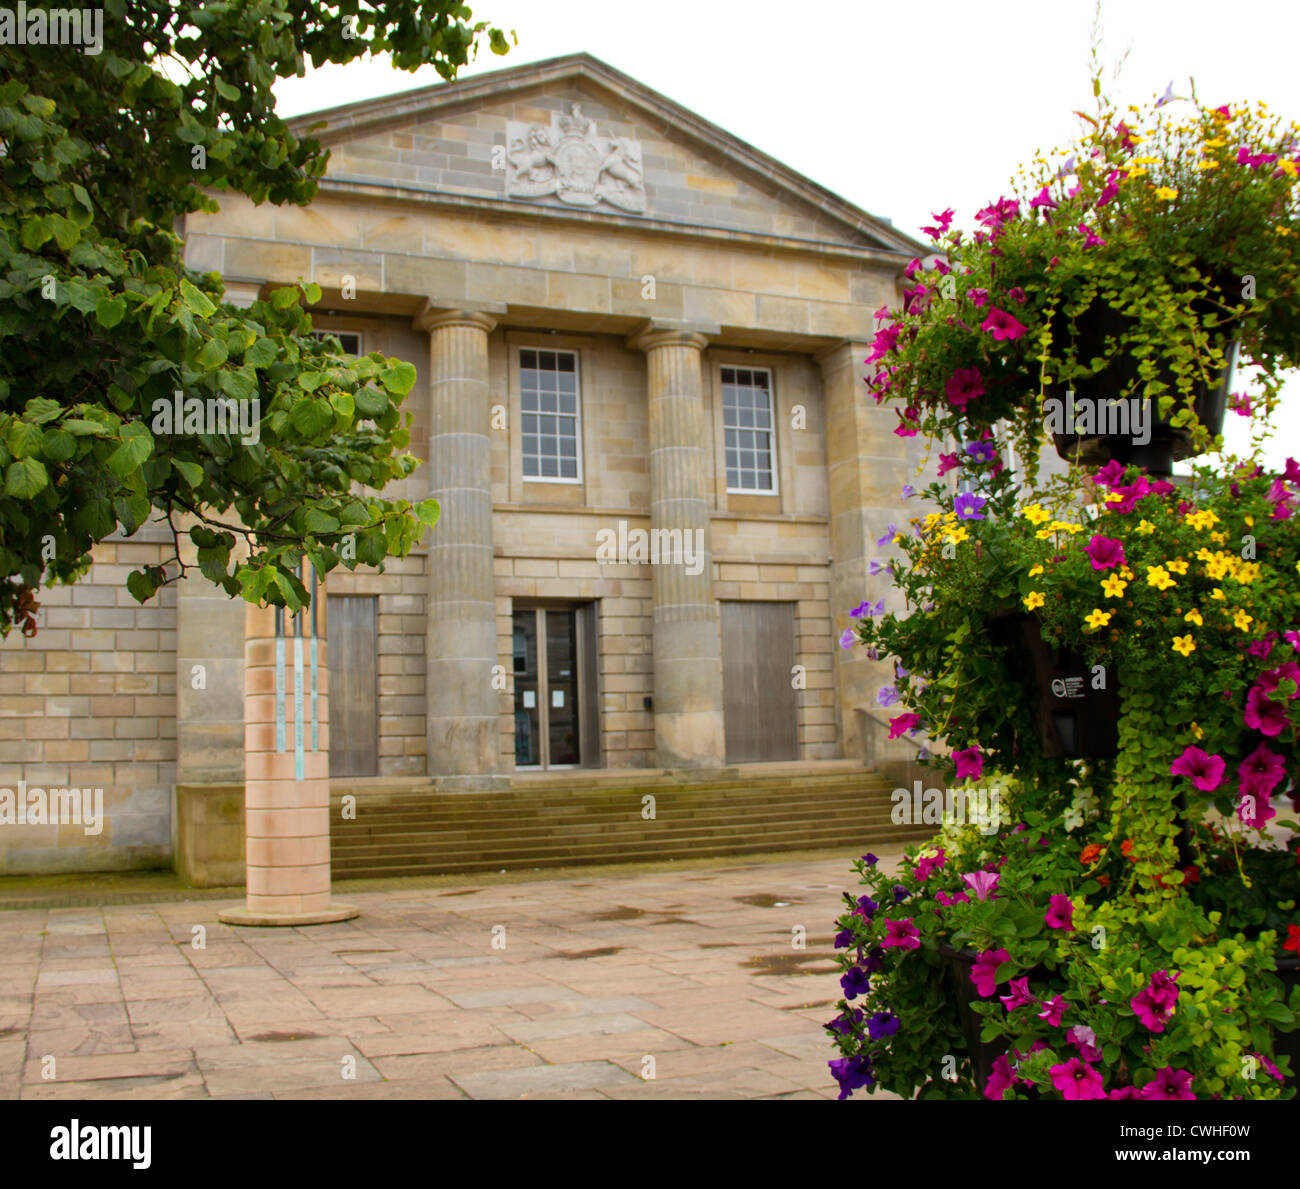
{"points": [[570, 161]]}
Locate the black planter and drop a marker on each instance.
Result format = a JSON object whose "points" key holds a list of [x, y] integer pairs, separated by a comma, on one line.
{"points": [[1074, 721], [1287, 1044], [957, 965], [1120, 375]]}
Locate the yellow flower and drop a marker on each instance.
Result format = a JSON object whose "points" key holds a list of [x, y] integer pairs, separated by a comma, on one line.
{"points": [[1218, 538], [1114, 497], [1242, 621], [1178, 565], [1135, 171], [1035, 514], [1288, 167], [1146, 528], [1217, 143], [1217, 593], [1196, 730], [1207, 164], [1097, 618], [1250, 520], [1113, 586], [1185, 644], [1158, 577], [1199, 520], [955, 536], [1035, 571], [1246, 572], [1034, 599], [1194, 616], [1126, 572], [1062, 526]]}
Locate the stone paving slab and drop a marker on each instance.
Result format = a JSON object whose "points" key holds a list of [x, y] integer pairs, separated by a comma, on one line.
{"points": [[620, 983]]}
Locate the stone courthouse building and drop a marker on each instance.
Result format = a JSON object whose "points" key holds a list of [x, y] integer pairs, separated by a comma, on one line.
{"points": [[640, 344]]}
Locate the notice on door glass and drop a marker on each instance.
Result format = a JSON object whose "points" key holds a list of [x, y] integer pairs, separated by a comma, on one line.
{"points": [[530, 699], [557, 699]]}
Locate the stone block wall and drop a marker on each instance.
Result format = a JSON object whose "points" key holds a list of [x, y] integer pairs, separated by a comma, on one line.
{"points": [[90, 702]]}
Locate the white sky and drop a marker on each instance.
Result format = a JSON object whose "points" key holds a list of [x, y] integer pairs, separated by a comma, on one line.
{"points": [[902, 108]]}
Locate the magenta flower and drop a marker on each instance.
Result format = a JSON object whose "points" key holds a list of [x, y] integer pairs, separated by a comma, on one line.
{"points": [[984, 973], [1203, 770], [1292, 472], [1269, 679], [1260, 772], [948, 462], [982, 883], [1111, 475], [1060, 912], [902, 934], [1002, 325], [902, 723], [1044, 199], [1124, 1092], [928, 864], [956, 898], [979, 297], [1001, 1078], [1155, 1003], [970, 763], [1170, 1085], [1105, 552], [1077, 1080], [1019, 994], [942, 222], [1262, 714], [1239, 403], [963, 386], [1255, 810], [1017, 294], [1085, 1040], [1091, 239], [1053, 1010]]}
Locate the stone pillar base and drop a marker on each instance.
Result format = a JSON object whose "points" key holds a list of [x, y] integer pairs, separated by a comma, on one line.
{"points": [[252, 916]]}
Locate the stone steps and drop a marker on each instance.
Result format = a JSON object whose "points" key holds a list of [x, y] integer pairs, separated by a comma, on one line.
{"points": [[417, 829]]}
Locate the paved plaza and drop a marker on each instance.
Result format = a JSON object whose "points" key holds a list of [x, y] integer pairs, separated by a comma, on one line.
{"points": [[677, 982]]}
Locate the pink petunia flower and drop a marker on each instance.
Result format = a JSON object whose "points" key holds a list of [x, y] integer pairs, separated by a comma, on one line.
{"points": [[963, 386], [1060, 912], [1170, 1085], [1105, 552], [1077, 1080], [1019, 996], [1002, 325], [1091, 239], [1001, 1078], [982, 883], [970, 763], [901, 934], [1203, 770], [1262, 714], [902, 723], [1053, 1010], [979, 297], [948, 462], [984, 973]]}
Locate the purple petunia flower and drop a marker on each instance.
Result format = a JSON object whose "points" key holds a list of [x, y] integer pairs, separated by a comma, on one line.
{"points": [[887, 696], [981, 451], [848, 638], [855, 982], [852, 1073], [969, 506], [882, 1024], [901, 934], [890, 533]]}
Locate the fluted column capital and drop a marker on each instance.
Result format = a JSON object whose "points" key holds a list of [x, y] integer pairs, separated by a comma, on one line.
{"points": [[433, 318], [653, 337]]}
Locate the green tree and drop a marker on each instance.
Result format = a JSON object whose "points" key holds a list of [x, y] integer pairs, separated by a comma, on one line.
{"points": [[101, 323]]}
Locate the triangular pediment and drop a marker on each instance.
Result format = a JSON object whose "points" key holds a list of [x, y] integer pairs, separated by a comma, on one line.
{"points": [[574, 135]]}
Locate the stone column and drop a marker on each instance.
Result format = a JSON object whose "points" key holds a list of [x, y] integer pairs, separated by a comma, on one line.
{"points": [[867, 465], [461, 641], [286, 812], [688, 713]]}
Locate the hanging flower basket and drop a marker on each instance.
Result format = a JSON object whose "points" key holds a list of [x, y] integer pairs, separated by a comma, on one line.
{"points": [[1127, 428], [1075, 719]]}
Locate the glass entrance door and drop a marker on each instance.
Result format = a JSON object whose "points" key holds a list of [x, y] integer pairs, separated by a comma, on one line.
{"points": [[548, 694]]}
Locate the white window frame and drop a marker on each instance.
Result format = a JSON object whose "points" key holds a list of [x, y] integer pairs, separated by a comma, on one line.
{"points": [[577, 414], [775, 489]]}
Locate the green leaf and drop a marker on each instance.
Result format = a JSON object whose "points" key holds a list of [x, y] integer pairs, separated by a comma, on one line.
{"points": [[196, 301], [320, 522], [311, 417], [137, 445], [41, 409], [23, 439], [369, 402], [427, 512], [225, 90], [35, 232], [110, 311], [398, 379], [191, 472], [25, 478], [213, 355]]}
